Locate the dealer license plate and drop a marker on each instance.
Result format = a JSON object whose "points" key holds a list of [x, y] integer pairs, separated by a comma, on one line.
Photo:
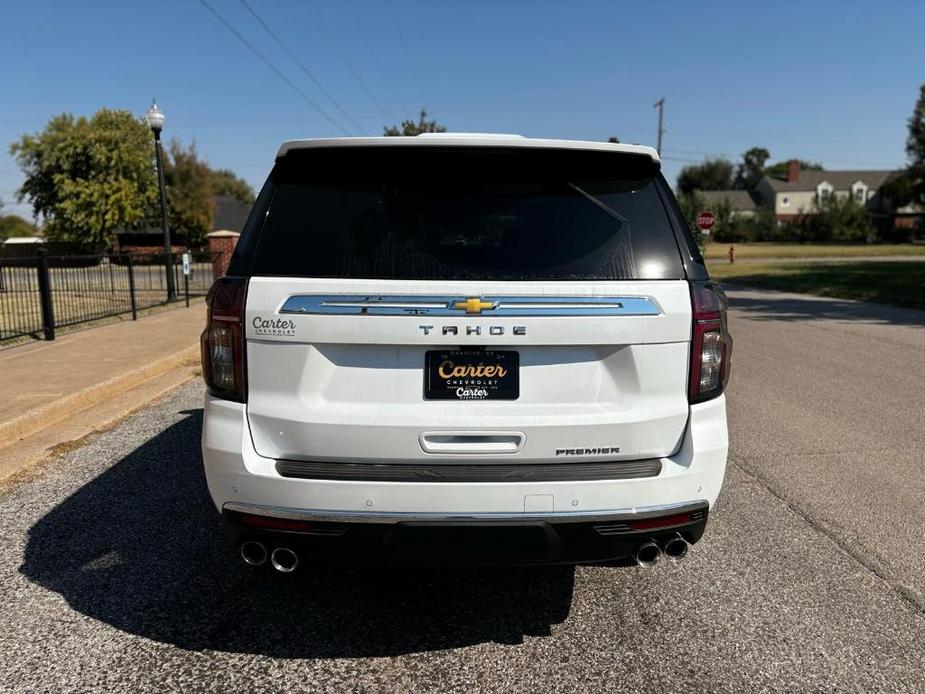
{"points": [[471, 374]]}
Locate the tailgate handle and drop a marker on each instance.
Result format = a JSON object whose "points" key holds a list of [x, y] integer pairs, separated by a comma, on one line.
{"points": [[471, 442]]}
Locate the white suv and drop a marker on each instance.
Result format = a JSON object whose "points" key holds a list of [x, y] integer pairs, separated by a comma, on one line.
{"points": [[458, 348]]}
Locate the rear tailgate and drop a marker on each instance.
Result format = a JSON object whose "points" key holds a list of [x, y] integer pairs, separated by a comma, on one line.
{"points": [[330, 387], [365, 258]]}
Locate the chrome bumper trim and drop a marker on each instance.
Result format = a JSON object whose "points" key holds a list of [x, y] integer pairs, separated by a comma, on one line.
{"points": [[400, 517]]}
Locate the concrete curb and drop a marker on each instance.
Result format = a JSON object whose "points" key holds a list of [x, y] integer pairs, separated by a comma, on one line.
{"points": [[46, 416]]}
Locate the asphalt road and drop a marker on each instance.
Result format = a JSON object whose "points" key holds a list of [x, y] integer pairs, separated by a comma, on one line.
{"points": [[115, 576]]}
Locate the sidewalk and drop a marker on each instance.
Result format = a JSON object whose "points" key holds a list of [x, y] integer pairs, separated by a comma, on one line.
{"points": [[95, 373]]}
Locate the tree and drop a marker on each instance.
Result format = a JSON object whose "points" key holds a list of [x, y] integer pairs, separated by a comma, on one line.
{"points": [[88, 177], [900, 189], [692, 204], [409, 127], [909, 185], [191, 189], [12, 225], [613, 140], [750, 171], [915, 143], [713, 174], [779, 170], [189, 193], [225, 182]]}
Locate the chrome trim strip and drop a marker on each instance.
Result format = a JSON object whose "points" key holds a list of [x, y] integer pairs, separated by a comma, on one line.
{"points": [[399, 517], [456, 306]]}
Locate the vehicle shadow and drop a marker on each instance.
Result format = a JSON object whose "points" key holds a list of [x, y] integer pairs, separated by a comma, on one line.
{"points": [[140, 547], [768, 304]]}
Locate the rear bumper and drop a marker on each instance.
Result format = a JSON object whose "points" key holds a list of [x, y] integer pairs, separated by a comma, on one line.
{"points": [[413, 539], [240, 480]]}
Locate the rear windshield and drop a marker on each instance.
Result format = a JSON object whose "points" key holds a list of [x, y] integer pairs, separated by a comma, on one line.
{"points": [[463, 214]]}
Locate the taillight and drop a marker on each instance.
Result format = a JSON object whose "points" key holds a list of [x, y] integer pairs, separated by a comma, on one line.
{"points": [[711, 344], [223, 359]]}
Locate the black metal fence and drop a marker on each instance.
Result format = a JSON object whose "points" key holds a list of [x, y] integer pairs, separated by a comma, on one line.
{"points": [[41, 293]]}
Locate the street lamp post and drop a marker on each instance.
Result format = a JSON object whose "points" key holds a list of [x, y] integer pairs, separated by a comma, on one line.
{"points": [[155, 120]]}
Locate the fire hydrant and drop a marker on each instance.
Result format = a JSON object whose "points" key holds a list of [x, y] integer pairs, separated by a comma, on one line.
{"points": [[732, 254]]}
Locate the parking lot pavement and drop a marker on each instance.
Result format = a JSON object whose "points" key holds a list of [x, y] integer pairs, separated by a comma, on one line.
{"points": [[116, 577]]}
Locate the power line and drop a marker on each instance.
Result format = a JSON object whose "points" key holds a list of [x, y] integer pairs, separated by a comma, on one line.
{"points": [[404, 45], [270, 65], [374, 58], [304, 69], [345, 59]]}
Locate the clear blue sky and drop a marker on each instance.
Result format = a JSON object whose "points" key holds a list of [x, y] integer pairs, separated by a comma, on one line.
{"points": [[827, 81]]}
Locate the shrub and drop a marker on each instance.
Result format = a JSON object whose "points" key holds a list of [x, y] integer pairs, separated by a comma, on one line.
{"points": [[731, 228], [838, 219], [691, 205]]}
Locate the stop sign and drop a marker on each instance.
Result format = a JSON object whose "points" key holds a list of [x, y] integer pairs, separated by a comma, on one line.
{"points": [[706, 220]]}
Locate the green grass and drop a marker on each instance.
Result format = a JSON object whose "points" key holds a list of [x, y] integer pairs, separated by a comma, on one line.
{"points": [[798, 250], [887, 282]]}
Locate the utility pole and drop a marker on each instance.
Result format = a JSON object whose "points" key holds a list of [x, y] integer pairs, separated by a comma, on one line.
{"points": [[660, 105]]}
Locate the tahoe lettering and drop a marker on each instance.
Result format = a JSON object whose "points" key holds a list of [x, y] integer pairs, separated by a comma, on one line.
{"points": [[474, 330]]}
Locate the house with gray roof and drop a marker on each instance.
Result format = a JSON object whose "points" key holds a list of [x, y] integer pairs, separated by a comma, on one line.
{"points": [[230, 214], [801, 193], [740, 202]]}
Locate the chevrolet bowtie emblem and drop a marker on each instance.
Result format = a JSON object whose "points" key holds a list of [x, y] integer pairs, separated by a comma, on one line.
{"points": [[474, 305]]}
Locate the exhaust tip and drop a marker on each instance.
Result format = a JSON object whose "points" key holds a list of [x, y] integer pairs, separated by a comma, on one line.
{"points": [[676, 548], [648, 554], [284, 560], [253, 553]]}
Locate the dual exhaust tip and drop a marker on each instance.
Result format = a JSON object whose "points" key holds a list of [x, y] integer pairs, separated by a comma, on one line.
{"points": [[282, 559], [675, 548], [286, 560]]}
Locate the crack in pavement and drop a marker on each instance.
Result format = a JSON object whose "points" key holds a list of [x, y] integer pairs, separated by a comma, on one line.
{"points": [[854, 548]]}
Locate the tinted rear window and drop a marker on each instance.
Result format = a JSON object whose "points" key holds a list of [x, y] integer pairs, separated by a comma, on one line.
{"points": [[464, 214]]}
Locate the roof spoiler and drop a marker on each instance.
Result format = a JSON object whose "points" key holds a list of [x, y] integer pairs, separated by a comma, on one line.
{"points": [[467, 140]]}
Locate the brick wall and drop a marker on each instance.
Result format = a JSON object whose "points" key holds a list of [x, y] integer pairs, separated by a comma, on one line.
{"points": [[221, 245]]}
